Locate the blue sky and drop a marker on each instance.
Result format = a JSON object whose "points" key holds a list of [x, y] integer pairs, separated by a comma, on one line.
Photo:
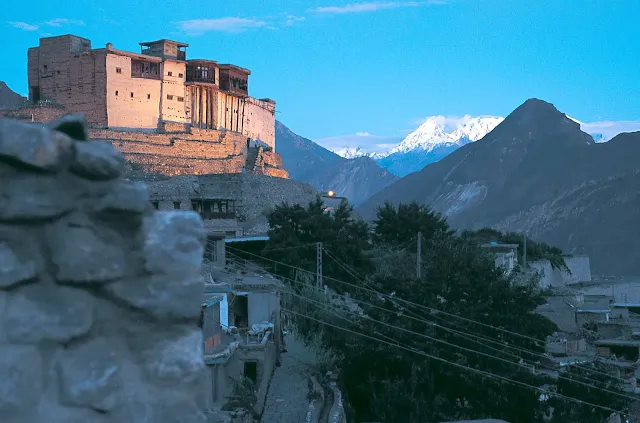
{"points": [[340, 68]]}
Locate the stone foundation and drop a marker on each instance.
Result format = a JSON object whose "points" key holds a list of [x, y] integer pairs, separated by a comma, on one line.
{"points": [[174, 149], [99, 295]]}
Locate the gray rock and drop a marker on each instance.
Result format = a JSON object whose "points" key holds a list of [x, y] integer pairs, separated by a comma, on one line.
{"points": [[32, 196], [13, 270], [97, 160], [173, 242], [132, 197], [19, 256], [89, 376], [159, 406], [73, 125], [84, 253], [162, 296], [176, 360], [43, 311], [34, 145], [21, 379]]}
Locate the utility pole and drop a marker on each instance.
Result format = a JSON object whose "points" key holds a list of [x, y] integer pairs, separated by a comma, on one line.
{"points": [[419, 255], [524, 252], [319, 264]]}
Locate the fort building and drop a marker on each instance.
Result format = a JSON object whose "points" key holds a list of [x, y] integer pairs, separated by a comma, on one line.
{"points": [[165, 112]]}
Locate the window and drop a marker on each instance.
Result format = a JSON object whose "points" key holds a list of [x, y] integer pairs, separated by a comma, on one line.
{"points": [[116, 93], [118, 70], [176, 205], [169, 97], [44, 68], [214, 209], [180, 75], [58, 72], [131, 95], [170, 73], [140, 69], [156, 204], [180, 98], [148, 96]]}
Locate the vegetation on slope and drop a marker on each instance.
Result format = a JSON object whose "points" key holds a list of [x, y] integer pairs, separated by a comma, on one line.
{"points": [[456, 342]]}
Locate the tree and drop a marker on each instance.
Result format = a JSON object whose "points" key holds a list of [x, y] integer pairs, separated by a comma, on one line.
{"points": [[603, 378], [389, 378]]}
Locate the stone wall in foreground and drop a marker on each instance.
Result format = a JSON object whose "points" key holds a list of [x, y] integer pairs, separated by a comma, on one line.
{"points": [[99, 295]]}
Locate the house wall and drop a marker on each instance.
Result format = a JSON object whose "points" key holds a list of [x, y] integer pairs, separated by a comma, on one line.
{"points": [[173, 89], [580, 272], [260, 121], [262, 306], [142, 111]]}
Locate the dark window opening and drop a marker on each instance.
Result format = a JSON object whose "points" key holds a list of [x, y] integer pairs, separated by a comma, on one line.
{"points": [[156, 204], [131, 95], [116, 92], [240, 311], [58, 72], [251, 370], [148, 96], [44, 68], [176, 205], [180, 98], [118, 70], [169, 97], [180, 75], [35, 94], [170, 73], [214, 209]]}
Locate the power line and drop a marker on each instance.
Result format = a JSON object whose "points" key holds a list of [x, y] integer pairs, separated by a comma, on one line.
{"points": [[478, 371], [406, 301], [464, 348], [434, 313], [463, 334]]}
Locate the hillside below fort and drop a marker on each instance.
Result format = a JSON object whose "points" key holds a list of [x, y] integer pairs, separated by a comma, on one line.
{"points": [[167, 115]]}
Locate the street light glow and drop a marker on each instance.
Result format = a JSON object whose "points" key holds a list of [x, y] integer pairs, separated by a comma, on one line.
{"points": [[330, 193]]}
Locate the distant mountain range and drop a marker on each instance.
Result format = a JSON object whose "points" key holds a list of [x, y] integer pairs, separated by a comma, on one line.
{"points": [[432, 141], [10, 99], [357, 178], [537, 172]]}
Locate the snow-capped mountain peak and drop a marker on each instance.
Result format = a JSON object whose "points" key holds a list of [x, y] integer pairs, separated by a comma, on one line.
{"points": [[433, 133]]}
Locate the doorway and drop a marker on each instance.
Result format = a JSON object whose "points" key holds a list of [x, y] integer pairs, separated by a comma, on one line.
{"points": [[251, 370]]}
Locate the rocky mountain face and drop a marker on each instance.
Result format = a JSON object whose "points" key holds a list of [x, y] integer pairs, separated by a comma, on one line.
{"points": [[357, 178], [538, 172], [8, 98]]}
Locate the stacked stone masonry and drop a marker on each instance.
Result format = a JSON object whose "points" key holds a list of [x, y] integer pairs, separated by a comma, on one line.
{"points": [[178, 150], [99, 294]]}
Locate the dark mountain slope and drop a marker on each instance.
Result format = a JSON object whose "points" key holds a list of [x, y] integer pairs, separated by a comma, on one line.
{"points": [[538, 172], [357, 179], [8, 98]]}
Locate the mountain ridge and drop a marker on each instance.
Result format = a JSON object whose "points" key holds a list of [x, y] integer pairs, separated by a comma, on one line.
{"points": [[537, 172]]}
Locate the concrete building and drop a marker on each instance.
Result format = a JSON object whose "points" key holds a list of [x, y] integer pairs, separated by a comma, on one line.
{"points": [[241, 326], [156, 88], [506, 255]]}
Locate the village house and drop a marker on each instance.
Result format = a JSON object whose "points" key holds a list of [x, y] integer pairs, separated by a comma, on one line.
{"points": [[506, 255], [241, 325]]}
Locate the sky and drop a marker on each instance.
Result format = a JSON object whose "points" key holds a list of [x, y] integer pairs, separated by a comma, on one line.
{"points": [[347, 73]]}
